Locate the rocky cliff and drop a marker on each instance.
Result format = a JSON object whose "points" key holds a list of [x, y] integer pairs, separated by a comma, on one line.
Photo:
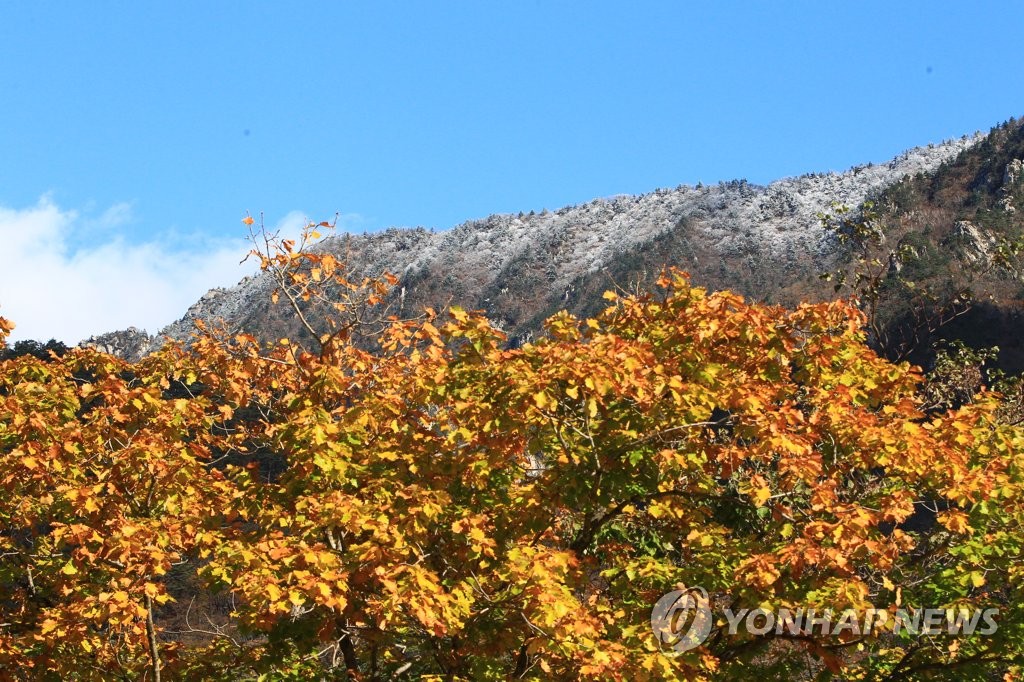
{"points": [[130, 344]]}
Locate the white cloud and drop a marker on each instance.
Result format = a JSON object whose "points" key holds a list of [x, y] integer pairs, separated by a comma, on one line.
{"points": [[291, 225], [353, 222], [68, 277], [117, 215]]}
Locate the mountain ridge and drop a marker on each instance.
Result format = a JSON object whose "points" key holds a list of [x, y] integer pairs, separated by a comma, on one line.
{"points": [[518, 267]]}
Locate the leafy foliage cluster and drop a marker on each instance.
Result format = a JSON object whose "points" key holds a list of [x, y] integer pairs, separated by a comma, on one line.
{"points": [[446, 507]]}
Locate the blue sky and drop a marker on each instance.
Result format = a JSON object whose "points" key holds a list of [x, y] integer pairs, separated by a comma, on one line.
{"points": [[135, 136]]}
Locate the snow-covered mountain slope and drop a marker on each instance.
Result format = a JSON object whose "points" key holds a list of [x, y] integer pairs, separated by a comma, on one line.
{"points": [[519, 268]]}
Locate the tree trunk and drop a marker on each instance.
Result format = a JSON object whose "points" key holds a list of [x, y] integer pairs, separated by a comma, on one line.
{"points": [[154, 652]]}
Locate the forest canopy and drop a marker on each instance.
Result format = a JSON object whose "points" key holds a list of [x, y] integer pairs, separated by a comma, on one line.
{"points": [[439, 505]]}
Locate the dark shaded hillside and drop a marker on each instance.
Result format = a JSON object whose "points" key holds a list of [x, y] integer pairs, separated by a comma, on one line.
{"points": [[964, 221]]}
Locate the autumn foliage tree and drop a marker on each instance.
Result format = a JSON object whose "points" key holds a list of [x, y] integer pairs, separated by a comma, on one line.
{"points": [[445, 507]]}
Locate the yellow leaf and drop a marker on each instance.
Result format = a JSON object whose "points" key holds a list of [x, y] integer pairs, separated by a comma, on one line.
{"points": [[541, 399], [69, 568]]}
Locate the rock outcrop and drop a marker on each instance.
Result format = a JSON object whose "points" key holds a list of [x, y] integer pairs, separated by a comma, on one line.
{"points": [[131, 344], [969, 243]]}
